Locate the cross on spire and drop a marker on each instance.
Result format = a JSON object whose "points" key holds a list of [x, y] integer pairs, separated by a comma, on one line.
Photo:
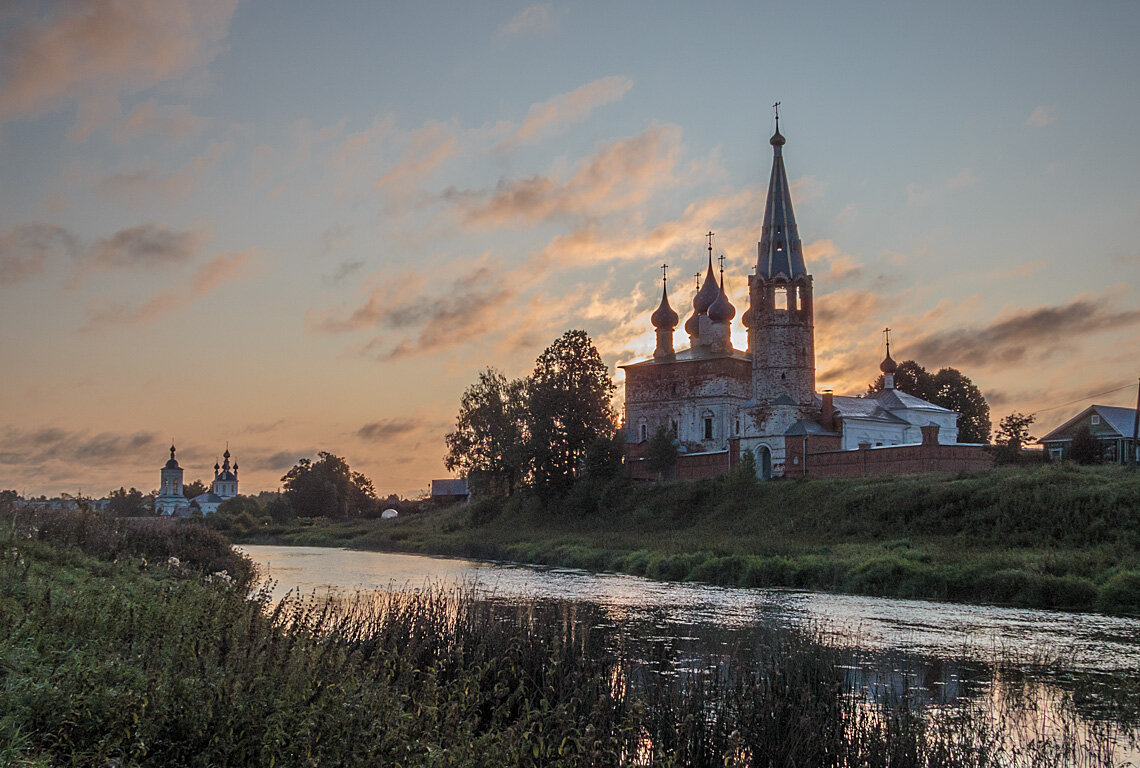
{"points": [[776, 107], [664, 272], [710, 237], [697, 281], [887, 336], [721, 260]]}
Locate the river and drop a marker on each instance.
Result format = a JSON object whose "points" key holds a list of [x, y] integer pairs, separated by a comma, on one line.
{"points": [[951, 652]]}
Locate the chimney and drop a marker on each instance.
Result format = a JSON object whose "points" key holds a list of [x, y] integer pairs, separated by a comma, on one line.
{"points": [[929, 434], [827, 420]]}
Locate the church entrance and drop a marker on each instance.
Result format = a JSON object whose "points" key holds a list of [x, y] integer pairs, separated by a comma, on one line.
{"points": [[763, 463]]}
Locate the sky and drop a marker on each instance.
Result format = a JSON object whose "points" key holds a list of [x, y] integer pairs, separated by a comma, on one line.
{"points": [[292, 227]]}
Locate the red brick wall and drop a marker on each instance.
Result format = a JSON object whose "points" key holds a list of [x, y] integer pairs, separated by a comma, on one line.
{"points": [[898, 460], [689, 466]]}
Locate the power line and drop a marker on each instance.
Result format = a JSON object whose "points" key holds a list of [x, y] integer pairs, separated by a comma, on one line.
{"points": [[1129, 385]]}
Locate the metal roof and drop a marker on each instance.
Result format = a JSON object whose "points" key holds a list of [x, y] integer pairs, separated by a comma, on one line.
{"points": [[1118, 418]]}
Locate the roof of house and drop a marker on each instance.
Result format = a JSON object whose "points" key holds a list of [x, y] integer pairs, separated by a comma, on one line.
{"points": [[865, 408], [208, 498], [1120, 419], [808, 427]]}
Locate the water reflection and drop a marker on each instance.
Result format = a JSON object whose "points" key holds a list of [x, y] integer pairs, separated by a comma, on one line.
{"points": [[1040, 672]]}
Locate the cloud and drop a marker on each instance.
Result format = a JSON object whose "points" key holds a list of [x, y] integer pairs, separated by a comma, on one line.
{"points": [[920, 194], [428, 147], [530, 20], [94, 51], [1021, 270], [549, 116], [334, 237], [387, 429], [344, 269], [35, 448], [1022, 335], [1042, 116], [26, 249], [964, 178], [145, 245], [170, 122], [620, 175], [144, 184], [225, 267]]}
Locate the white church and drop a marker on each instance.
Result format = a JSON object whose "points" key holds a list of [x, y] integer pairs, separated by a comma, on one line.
{"points": [[171, 501]]}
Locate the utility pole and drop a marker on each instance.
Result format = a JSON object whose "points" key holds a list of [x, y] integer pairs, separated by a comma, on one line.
{"points": [[1135, 428]]}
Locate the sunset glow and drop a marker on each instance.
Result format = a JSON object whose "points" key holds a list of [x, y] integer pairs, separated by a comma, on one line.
{"points": [[294, 227]]}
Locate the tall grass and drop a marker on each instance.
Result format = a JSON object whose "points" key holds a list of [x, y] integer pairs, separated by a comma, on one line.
{"points": [[112, 663]]}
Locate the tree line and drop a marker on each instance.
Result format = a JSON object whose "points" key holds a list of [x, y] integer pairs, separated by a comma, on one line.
{"points": [[541, 431]]}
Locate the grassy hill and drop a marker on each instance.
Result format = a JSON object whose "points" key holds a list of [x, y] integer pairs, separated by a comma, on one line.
{"points": [[1053, 536]]}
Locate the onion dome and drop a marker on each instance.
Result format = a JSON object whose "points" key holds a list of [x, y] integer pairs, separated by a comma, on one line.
{"points": [[235, 467], [888, 365], [216, 466], [663, 318], [722, 310], [746, 318], [708, 293], [777, 140], [226, 455], [693, 324], [172, 463]]}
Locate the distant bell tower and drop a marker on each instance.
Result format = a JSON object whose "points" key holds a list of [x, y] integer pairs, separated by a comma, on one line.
{"points": [[781, 329]]}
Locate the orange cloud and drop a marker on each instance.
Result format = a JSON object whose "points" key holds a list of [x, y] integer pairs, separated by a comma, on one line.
{"points": [[532, 19], [547, 117], [618, 176], [171, 122], [149, 181], [224, 267], [94, 51]]}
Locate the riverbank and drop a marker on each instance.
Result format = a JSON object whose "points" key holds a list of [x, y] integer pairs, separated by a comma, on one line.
{"points": [[122, 646], [1053, 536]]}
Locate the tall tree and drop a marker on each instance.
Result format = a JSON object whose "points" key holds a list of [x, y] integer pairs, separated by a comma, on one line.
{"points": [[948, 388], [194, 489], [1013, 431], [568, 407], [662, 453], [327, 487], [489, 443], [124, 503], [1084, 447]]}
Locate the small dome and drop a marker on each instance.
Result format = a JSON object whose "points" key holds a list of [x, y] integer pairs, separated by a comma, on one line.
{"points": [[170, 464], [888, 365], [722, 310], [664, 317], [777, 140], [693, 324], [708, 292], [226, 455], [746, 318]]}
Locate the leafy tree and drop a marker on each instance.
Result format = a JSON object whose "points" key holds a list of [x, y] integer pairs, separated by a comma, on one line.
{"points": [[489, 445], [8, 499], [569, 396], [1013, 430], [661, 453], [239, 504], [327, 488], [124, 503], [194, 489], [280, 509], [605, 455], [948, 388], [1084, 447]]}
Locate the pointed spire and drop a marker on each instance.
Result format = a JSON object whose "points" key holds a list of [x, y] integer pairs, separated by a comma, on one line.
{"points": [[888, 366], [722, 310], [709, 290], [779, 251], [664, 316]]}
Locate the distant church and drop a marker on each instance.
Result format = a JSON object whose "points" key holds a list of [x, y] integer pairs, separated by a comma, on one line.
{"points": [[717, 402], [171, 501]]}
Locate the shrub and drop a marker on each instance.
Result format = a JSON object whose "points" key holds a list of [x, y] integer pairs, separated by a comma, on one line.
{"points": [[1121, 593]]}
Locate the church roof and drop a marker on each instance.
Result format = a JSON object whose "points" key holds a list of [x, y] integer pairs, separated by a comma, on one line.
{"points": [[779, 250], [208, 498], [808, 427], [692, 354], [864, 408], [226, 475], [894, 399]]}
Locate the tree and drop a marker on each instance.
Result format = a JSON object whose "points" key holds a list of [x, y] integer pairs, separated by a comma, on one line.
{"points": [[661, 453], [569, 396], [327, 488], [1084, 447], [124, 503], [236, 505], [488, 445], [1012, 436], [194, 489], [948, 388]]}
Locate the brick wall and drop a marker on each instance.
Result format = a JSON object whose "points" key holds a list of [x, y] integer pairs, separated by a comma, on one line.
{"points": [[689, 466], [929, 456]]}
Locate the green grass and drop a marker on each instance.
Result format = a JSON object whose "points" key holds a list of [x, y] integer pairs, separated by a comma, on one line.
{"points": [[111, 658], [1055, 536]]}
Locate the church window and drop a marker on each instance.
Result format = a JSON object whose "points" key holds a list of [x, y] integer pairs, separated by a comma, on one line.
{"points": [[708, 429], [736, 427], [779, 229], [781, 298], [779, 246], [1095, 419], [643, 433], [673, 427]]}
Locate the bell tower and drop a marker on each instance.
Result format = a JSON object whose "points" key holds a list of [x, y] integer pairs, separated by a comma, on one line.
{"points": [[781, 329]]}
